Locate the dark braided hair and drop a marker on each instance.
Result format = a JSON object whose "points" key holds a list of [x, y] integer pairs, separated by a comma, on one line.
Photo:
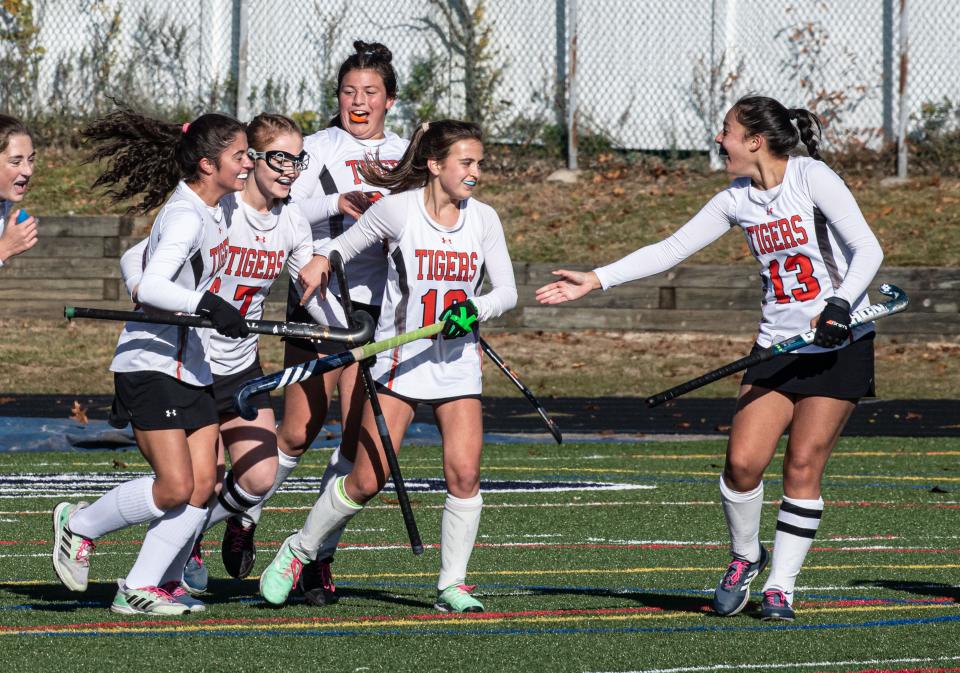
{"points": [[369, 56], [432, 142], [148, 156], [765, 116]]}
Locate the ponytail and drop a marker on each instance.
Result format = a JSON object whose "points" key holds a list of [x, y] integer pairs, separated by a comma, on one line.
{"points": [[761, 115], [148, 156], [431, 140]]}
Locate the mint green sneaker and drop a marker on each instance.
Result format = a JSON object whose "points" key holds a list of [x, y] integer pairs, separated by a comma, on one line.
{"points": [[278, 579], [457, 598], [146, 601], [71, 552]]}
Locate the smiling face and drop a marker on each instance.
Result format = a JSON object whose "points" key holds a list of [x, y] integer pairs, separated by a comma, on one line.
{"points": [[16, 167], [273, 184], [234, 165], [363, 104], [738, 149], [459, 172]]}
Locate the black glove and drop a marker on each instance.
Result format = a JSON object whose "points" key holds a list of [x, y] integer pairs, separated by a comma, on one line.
{"points": [[225, 318], [459, 320], [833, 327]]}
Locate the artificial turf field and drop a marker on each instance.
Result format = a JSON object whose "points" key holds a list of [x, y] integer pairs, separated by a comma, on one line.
{"points": [[591, 557]]}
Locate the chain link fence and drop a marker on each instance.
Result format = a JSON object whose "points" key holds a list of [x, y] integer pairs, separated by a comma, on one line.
{"points": [[641, 74]]}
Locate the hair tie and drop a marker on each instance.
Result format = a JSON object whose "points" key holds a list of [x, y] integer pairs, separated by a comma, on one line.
{"points": [[185, 127], [425, 126]]}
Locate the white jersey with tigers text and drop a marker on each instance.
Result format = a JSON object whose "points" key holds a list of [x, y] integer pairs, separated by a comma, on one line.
{"points": [[335, 160], [186, 249], [431, 266], [260, 245], [808, 235]]}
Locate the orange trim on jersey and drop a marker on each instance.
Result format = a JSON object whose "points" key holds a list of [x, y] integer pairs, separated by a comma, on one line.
{"points": [[395, 356]]}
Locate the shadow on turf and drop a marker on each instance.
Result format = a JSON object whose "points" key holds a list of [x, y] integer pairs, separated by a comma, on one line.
{"points": [[664, 601], [918, 588]]}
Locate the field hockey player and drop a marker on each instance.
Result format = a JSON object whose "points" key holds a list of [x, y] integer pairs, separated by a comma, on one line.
{"points": [[162, 377], [267, 232], [817, 256], [18, 229], [332, 193], [441, 242]]}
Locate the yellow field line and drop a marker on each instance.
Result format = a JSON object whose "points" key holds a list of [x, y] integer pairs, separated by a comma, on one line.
{"points": [[458, 621]]}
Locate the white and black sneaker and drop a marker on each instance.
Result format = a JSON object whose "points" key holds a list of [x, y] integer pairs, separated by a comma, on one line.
{"points": [[733, 592], [146, 601], [71, 552]]}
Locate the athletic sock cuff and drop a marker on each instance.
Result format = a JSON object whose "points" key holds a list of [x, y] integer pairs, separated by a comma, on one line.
{"points": [[234, 499], [287, 460], [804, 504], [340, 464], [463, 504], [136, 503], [341, 497], [740, 496]]}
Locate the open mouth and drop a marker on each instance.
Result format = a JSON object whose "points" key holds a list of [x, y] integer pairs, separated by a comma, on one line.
{"points": [[285, 182], [241, 176], [470, 183], [358, 117], [20, 187]]}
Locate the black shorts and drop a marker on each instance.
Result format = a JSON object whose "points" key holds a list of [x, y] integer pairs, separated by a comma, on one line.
{"points": [[155, 401], [297, 313], [225, 388], [383, 390], [845, 374]]}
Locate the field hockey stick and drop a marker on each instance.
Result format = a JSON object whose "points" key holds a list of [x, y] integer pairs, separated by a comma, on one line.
{"points": [[403, 500], [898, 302], [359, 333], [497, 360], [298, 373]]}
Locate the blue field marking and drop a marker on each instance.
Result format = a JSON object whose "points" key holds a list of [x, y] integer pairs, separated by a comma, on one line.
{"points": [[516, 631]]}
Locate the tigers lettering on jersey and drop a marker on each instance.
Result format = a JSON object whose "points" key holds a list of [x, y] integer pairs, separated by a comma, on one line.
{"points": [[449, 265], [354, 165], [777, 235], [218, 255], [253, 263]]}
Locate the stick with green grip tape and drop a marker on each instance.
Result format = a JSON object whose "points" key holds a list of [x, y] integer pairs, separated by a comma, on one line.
{"points": [[298, 373]]}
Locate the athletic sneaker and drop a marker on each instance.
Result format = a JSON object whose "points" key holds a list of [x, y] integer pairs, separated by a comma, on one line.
{"points": [[733, 592], [278, 579], [316, 583], [775, 606], [195, 576], [71, 552], [237, 549], [182, 596], [457, 598], [146, 601]]}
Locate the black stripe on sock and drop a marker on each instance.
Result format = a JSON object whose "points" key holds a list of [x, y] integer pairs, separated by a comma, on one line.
{"points": [[790, 508], [241, 500], [785, 527]]}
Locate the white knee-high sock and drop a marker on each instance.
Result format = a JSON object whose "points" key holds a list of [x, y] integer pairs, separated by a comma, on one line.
{"points": [[797, 524], [125, 505], [331, 512], [175, 572], [285, 466], [743, 520], [164, 540], [458, 531], [339, 466], [231, 501]]}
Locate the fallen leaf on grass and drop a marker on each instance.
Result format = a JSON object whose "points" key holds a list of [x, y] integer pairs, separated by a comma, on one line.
{"points": [[118, 464], [937, 489], [78, 413]]}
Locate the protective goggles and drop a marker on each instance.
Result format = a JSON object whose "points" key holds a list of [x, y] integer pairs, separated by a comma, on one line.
{"points": [[280, 161]]}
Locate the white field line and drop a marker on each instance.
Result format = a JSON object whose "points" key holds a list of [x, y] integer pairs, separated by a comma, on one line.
{"points": [[791, 664]]}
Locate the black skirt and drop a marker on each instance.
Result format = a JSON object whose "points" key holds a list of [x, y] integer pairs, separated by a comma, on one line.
{"points": [[846, 373], [154, 401], [225, 388]]}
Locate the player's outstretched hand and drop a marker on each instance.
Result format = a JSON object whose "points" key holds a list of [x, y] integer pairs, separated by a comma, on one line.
{"points": [[314, 277], [459, 320], [572, 285]]}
